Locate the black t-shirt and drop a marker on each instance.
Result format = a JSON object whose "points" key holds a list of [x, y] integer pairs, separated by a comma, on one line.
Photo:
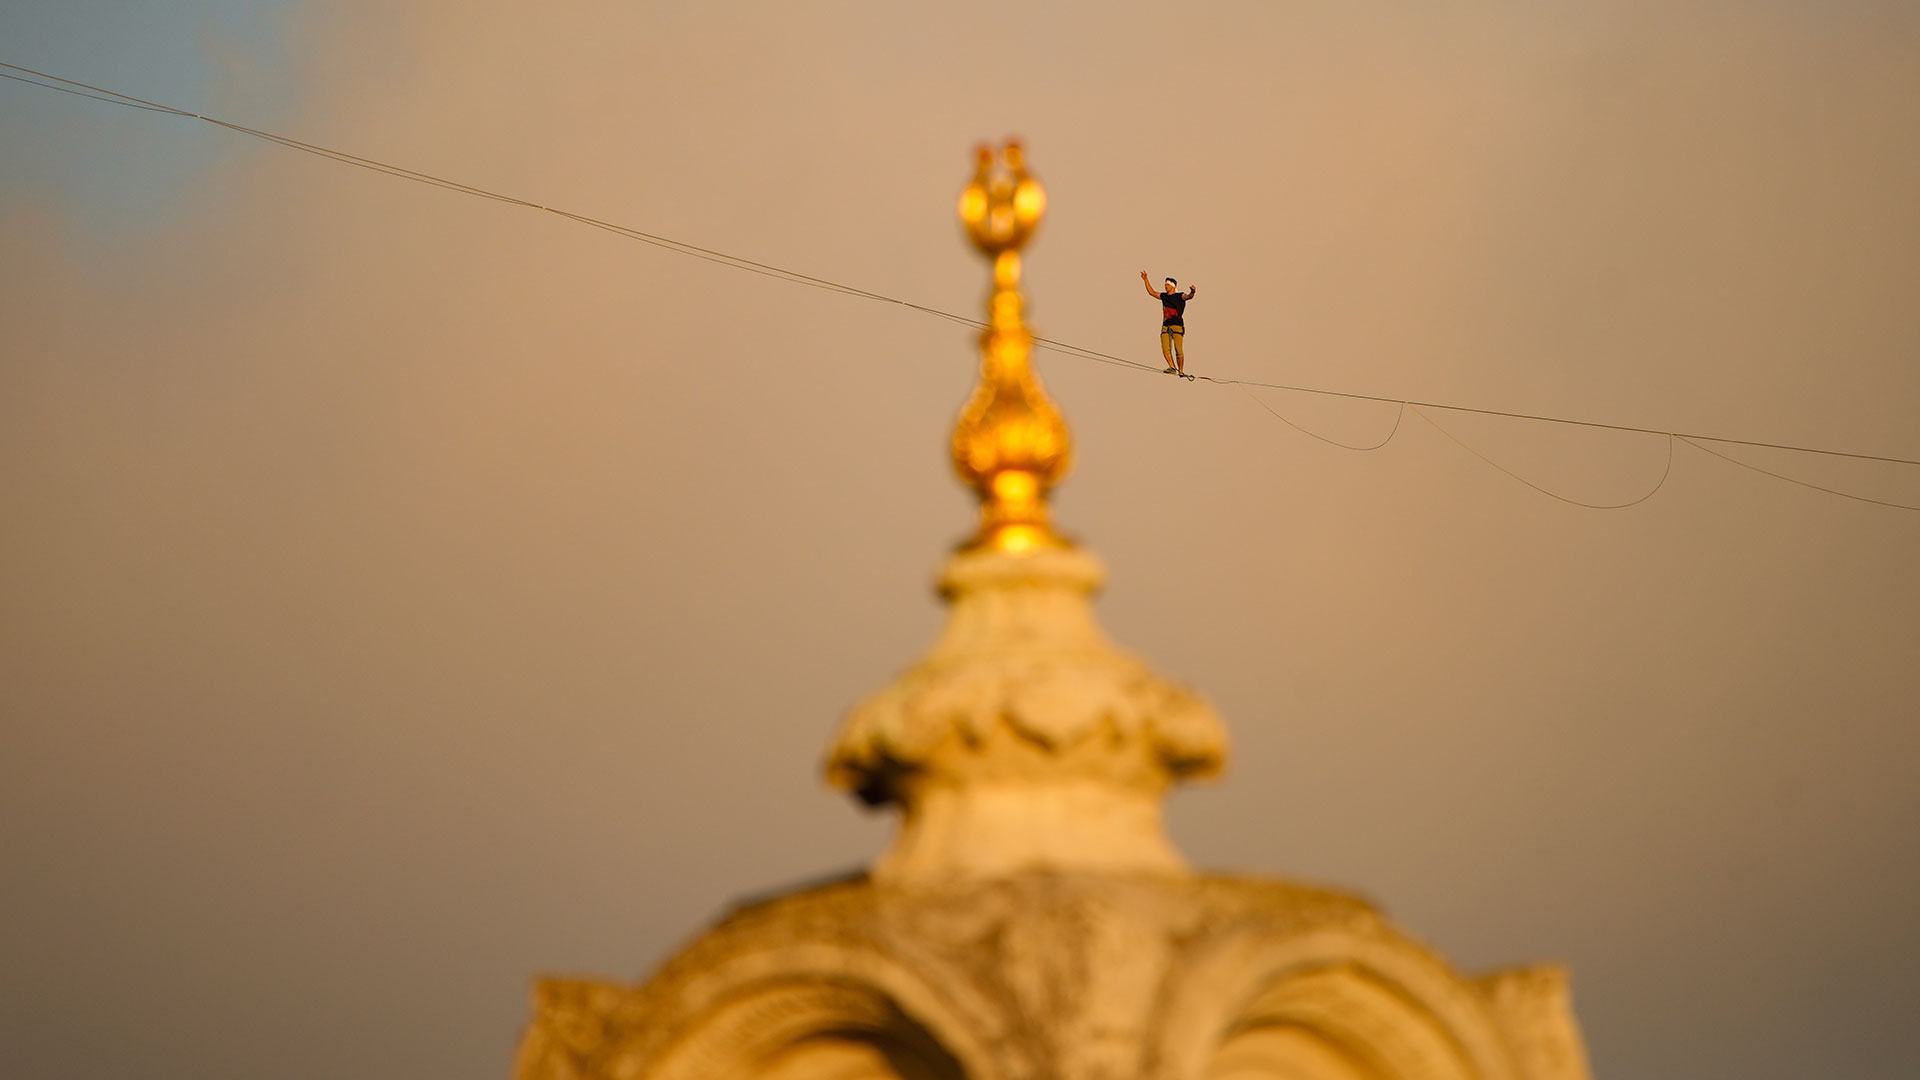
{"points": [[1172, 306]]}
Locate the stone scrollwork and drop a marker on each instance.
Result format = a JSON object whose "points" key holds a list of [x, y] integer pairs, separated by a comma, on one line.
{"points": [[1022, 663], [1056, 977], [1025, 738]]}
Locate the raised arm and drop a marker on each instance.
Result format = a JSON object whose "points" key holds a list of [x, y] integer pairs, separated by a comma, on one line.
{"points": [[1148, 282], [1191, 289]]}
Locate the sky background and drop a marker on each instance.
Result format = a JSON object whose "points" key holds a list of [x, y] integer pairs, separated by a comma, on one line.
{"points": [[403, 595]]}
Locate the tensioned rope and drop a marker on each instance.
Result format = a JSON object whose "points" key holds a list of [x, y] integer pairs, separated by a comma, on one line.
{"points": [[48, 81]]}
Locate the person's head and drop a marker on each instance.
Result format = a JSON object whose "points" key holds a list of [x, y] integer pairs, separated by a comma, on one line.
{"points": [[1171, 286]]}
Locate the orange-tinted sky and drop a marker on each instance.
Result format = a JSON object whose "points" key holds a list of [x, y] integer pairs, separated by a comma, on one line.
{"points": [[402, 595]]}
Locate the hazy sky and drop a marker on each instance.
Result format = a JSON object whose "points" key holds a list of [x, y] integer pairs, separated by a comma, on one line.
{"points": [[403, 595]]}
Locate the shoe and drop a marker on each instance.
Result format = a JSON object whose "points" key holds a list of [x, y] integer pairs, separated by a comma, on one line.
{"points": [[1172, 371]]}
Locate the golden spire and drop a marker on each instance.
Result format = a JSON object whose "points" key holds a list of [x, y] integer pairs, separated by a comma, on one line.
{"points": [[1010, 444]]}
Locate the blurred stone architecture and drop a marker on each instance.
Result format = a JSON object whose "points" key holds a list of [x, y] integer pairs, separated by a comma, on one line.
{"points": [[1032, 921]]}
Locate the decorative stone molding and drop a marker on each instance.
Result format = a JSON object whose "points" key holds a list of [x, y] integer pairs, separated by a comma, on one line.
{"points": [[1057, 977], [1535, 1008], [1025, 739]]}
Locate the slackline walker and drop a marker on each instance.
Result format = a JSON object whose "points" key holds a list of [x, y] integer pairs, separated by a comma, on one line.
{"points": [[1173, 323]]}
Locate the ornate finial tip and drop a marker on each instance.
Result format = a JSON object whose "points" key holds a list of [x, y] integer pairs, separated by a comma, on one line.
{"points": [[1002, 206]]}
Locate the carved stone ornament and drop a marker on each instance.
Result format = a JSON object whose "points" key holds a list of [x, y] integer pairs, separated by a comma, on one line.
{"points": [[1043, 976], [1025, 739]]}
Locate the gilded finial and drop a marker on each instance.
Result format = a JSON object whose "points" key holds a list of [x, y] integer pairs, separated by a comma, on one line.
{"points": [[1010, 444]]}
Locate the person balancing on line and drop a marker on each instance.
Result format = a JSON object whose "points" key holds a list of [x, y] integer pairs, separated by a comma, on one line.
{"points": [[1173, 328]]}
